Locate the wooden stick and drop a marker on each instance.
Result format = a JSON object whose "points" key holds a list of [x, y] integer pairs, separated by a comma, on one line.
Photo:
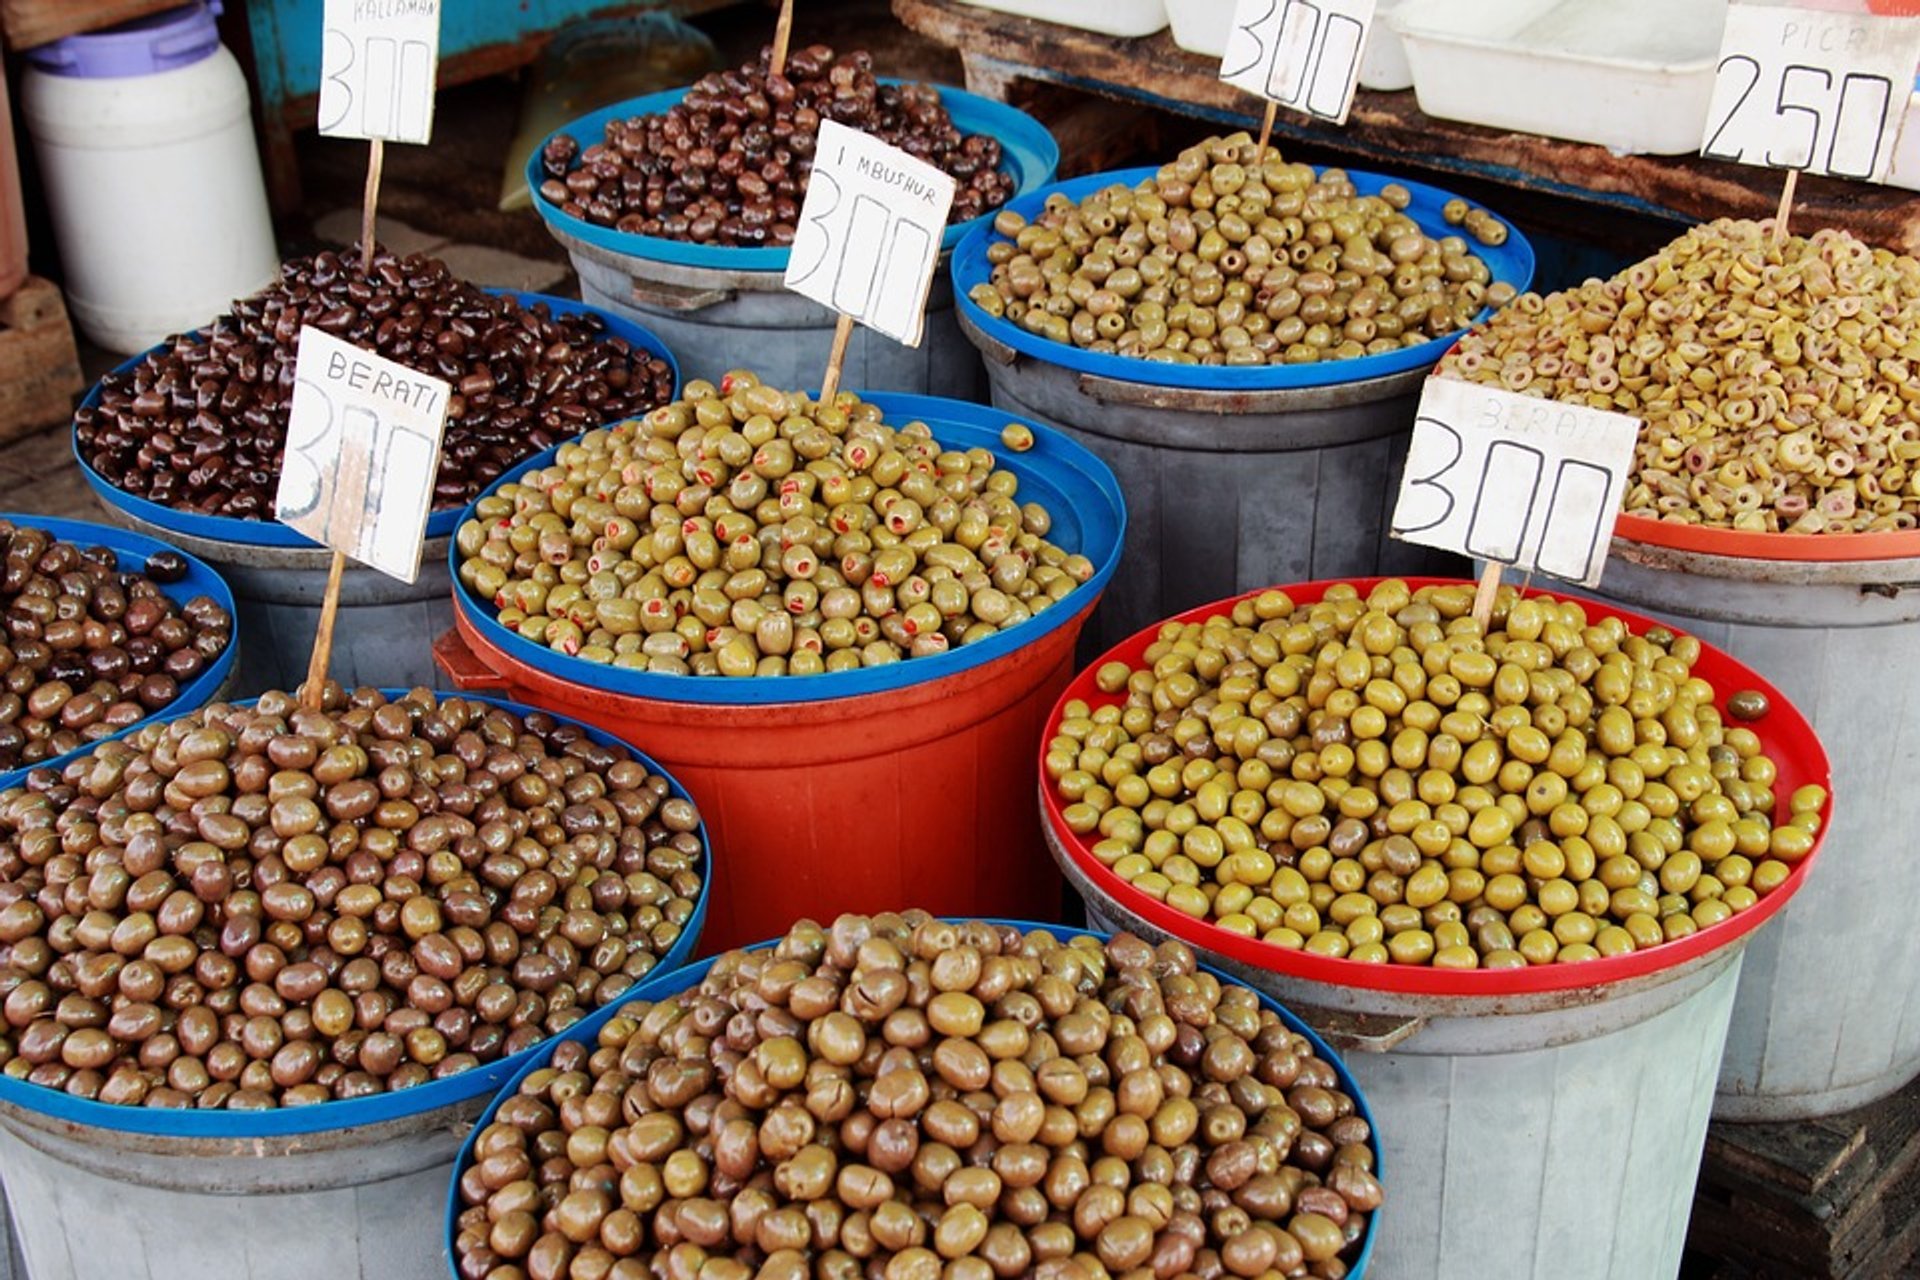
{"points": [[314, 691], [1483, 596], [370, 202], [782, 36], [1266, 133], [1786, 207], [837, 356]]}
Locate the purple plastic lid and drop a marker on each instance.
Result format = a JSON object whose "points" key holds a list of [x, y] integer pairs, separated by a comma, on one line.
{"points": [[176, 38]]}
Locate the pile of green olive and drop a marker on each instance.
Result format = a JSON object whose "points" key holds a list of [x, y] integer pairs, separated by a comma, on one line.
{"points": [[905, 1098], [251, 907], [1776, 378], [745, 530], [1373, 777], [1218, 260]]}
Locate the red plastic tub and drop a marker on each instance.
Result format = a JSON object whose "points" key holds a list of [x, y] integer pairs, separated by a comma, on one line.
{"points": [[860, 790]]}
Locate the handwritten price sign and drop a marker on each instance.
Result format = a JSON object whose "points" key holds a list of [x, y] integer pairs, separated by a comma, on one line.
{"points": [[1302, 54], [869, 232], [1823, 92], [363, 447], [378, 61], [1514, 479]]}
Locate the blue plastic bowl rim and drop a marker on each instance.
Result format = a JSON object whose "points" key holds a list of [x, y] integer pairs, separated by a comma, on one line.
{"points": [[271, 533], [201, 580], [1076, 465], [1511, 262], [1025, 147], [324, 1117], [672, 984]]}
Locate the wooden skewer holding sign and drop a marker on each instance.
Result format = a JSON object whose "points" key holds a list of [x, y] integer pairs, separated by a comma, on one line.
{"points": [[836, 357], [1483, 594], [370, 203], [1266, 133], [782, 37], [1786, 207]]}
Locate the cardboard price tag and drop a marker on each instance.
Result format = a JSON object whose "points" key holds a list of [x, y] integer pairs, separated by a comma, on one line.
{"points": [[1514, 479], [1823, 92], [869, 232], [363, 448], [1302, 54], [378, 61]]}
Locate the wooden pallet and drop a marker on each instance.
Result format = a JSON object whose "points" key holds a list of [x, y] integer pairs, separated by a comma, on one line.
{"points": [[39, 366], [28, 23], [1834, 1198]]}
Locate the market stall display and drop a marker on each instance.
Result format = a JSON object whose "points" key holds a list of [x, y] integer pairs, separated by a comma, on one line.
{"points": [[1135, 1110], [302, 998], [1259, 388], [856, 787], [1455, 938], [1773, 514], [707, 274], [185, 442]]}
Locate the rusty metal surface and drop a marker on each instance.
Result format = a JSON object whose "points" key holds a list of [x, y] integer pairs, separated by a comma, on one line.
{"points": [[1390, 129]]}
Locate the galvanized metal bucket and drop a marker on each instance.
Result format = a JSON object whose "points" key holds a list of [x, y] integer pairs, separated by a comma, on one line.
{"points": [[1840, 638], [384, 634], [1228, 490], [715, 319]]}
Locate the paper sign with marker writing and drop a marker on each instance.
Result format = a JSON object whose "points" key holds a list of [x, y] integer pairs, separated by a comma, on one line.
{"points": [[1302, 54], [1515, 479], [378, 59], [363, 448], [869, 232], [1823, 92]]}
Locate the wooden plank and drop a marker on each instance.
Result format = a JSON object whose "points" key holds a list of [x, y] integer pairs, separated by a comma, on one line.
{"points": [[28, 23], [1390, 130], [39, 366]]}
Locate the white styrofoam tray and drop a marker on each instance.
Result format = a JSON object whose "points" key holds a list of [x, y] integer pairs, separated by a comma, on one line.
{"points": [[1630, 75], [1202, 26], [1126, 18]]}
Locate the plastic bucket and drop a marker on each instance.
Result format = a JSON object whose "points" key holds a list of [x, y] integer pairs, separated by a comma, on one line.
{"points": [[1840, 638], [681, 980], [1235, 477], [722, 307], [385, 630], [856, 790], [343, 1188], [130, 553], [1539, 1122]]}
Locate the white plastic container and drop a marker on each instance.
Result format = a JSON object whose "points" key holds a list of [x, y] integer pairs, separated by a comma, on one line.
{"points": [[144, 137], [1202, 26], [1630, 75], [1126, 18]]}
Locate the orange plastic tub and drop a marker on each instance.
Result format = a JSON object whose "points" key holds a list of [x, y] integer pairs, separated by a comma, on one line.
{"points": [[859, 790]]}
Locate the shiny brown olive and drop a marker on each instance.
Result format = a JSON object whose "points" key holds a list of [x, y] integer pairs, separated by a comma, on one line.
{"points": [[729, 163], [79, 642], [272, 905], [747, 531], [1373, 778], [200, 423], [1771, 376], [919, 1168], [1218, 261]]}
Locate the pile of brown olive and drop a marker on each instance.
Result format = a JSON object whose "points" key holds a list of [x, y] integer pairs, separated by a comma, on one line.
{"points": [[1216, 260], [1776, 379], [728, 164], [1373, 778], [902, 1097], [86, 650], [200, 424], [266, 906], [747, 531]]}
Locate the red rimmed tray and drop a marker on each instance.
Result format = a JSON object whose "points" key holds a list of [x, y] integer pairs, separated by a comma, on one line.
{"points": [[1788, 738], [1903, 544]]}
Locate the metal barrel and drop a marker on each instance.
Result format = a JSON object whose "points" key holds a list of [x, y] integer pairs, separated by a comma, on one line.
{"points": [[1229, 490], [1839, 638]]}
